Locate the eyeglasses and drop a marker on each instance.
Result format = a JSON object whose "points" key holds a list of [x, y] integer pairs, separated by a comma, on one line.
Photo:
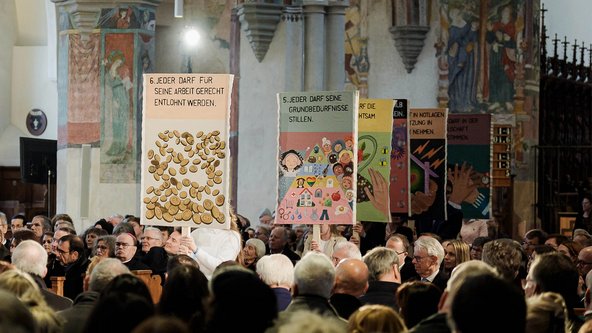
{"points": [[418, 258], [48, 241], [60, 251], [402, 252], [124, 245]]}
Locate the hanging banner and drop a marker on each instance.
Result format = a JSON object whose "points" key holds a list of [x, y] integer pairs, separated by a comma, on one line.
{"points": [[374, 162], [317, 158], [469, 143], [399, 186], [185, 154], [427, 163]]}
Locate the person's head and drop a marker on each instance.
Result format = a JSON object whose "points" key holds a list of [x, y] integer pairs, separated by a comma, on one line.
{"points": [[375, 318], [344, 250], [125, 247], [59, 233], [504, 255], [459, 274], [307, 321], [104, 246], [455, 253], [240, 288], [103, 224], [3, 225], [70, 249], [351, 277], [554, 240], [65, 224], [477, 247], [533, 237], [162, 324], [427, 256], [165, 232], [173, 242], [17, 223], [91, 234], [150, 238], [30, 257], [180, 260], [105, 271], [184, 295], [254, 250], [571, 249], [46, 241], [582, 236], [383, 265], [14, 315], [135, 223], [314, 275], [586, 204], [291, 160], [265, 217], [278, 239], [123, 228], [417, 300], [262, 232], [584, 262], [22, 235], [546, 312], [400, 244], [40, 224], [483, 297], [276, 270], [115, 219], [557, 273]]}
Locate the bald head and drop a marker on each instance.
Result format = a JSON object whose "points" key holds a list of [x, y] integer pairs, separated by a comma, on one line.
{"points": [[585, 261], [351, 277]]}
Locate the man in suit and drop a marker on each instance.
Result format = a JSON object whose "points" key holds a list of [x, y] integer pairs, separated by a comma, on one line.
{"points": [[351, 282], [384, 277], [427, 258], [400, 244], [125, 249], [70, 251], [278, 243]]}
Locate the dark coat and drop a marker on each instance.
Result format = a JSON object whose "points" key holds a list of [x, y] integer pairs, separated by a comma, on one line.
{"points": [[283, 296], [408, 272], [136, 265], [77, 315], [56, 302], [345, 304], [75, 277], [435, 323], [381, 292], [312, 303], [156, 259]]}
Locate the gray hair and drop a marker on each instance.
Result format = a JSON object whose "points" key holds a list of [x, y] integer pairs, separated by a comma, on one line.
{"points": [[380, 261], [314, 275], [104, 272], [351, 249], [29, 256], [3, 219], [461, 272], [432, 247], [156, 230], [505, 255], [276, 269]]}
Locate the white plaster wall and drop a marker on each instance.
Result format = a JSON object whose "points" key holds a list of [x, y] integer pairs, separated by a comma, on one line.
{"points": [[258, 123], [7, 40], [568, 18]]}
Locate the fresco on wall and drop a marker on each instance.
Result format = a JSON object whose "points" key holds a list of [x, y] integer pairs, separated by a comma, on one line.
{"points": [[118, 139], [357, 64], [480, 54]]}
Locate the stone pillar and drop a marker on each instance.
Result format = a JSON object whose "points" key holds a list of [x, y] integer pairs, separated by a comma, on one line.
{"points": [[103, 50], [314, 44], [335, 36], [292, 16]]}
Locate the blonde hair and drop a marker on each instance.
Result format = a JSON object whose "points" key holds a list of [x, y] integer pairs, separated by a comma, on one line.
{"points": [[375, 318], [547, 312], [461, 251], [26, 290]]}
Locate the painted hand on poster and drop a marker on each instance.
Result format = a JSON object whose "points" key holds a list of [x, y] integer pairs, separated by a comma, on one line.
{"points": [[421, 202], [463, 188], [380, 196]]}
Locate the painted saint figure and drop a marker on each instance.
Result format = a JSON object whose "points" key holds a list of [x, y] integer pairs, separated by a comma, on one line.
{"points": [[502, 58]]}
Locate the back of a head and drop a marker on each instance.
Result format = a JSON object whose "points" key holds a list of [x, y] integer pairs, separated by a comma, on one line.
{"points": [[14, 316], [351, 249], [536, 233], [351, 277], [240, 289], [29, 256], [547, 312], [23, 235], [487, 304], [314, 275], [557, 273], [307, 321], [118, 312], [184, 293], [276, 269], [127, 283], [503, 255], [180, 260], [161, 324], [375, 318], [417, 300], [380, 261], [104, 272], [463, 271]]}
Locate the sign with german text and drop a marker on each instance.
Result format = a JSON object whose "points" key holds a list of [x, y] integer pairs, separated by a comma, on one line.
{"points": [[399, 186]]}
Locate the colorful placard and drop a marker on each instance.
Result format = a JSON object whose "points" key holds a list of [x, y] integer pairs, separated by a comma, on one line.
{"points": [[469, 143], [317, 158], [185, 153], [399, 186], [427, 163], [374, 162]]}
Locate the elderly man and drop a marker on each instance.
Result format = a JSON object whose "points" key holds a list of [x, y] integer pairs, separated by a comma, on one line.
{"points": [[125, 249], [277, 271], [154, 255], [152, 237], [71, 255], [314, 278], [40, 225], [351, 282], [345, 250], [584, 262], [29, 256], [278, 243], [427, 256], [400, 244], [384, 277], [75, 317]]}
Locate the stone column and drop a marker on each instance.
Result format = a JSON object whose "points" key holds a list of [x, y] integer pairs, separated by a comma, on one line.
{"points": [[335, 36], [292, 16], [314, 44], [103, 50]]}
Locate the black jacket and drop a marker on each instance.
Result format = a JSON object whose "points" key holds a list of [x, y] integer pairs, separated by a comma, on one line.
{"points": [[381, 292]]}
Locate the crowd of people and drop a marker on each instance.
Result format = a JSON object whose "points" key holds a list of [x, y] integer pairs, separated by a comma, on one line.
{"points": [[370, 277]]}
